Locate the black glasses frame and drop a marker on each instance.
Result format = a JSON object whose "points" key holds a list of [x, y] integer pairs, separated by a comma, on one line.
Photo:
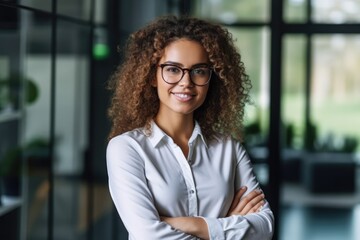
{"points": [[183, 73]]}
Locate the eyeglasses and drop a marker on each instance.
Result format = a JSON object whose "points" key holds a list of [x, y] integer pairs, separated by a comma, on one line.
{"points": [[172, 74]]}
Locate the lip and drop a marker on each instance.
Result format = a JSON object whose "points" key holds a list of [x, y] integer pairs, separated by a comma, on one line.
{"points": [[183, 96]]}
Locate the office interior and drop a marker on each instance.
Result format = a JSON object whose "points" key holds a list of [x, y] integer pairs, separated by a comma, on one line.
{"points": [[302, 127]]}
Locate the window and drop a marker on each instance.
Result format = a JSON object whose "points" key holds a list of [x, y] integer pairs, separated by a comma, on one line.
{"points": [[318, 53]]}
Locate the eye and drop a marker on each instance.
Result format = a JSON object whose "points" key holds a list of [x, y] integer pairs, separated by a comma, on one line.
{"points": [[172, 69], [200, 71]]}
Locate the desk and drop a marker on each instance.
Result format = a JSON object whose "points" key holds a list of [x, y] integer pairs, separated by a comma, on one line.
{"points": [[329, 172]]}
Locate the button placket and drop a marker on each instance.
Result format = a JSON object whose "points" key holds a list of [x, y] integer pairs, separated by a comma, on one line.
{"points": [[189, 179], [191, 150]]}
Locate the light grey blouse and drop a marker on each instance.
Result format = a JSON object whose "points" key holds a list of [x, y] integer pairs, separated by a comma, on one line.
{"points": [[149, 177]]}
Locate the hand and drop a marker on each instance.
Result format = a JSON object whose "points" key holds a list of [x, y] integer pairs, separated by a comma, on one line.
{"points": [[195, 226], [251, 203]]}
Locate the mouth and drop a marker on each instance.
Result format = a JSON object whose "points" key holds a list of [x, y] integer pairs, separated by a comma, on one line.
{"points": [[183, 96]]}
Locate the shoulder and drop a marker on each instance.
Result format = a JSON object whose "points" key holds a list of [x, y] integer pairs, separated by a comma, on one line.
{"points": [[225, 139], [228, 142], [126, 143], [136, 135]]}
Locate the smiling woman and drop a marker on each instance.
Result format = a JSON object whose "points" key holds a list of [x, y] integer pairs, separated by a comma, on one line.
{"points": [[175, 162], [182, 95]]}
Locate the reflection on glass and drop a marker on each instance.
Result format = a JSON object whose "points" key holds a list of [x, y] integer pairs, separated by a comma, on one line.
{"points": [[37, 4], [335, 100], [36, 130], [72, 79], [76, 9], [100, 11], [254, 48], [231, 11], [11, 154], [26, 107], [336, 11], [295, 11], [293, 91]]}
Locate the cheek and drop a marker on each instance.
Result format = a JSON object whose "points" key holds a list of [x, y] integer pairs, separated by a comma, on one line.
{"points": [[163, 89]]}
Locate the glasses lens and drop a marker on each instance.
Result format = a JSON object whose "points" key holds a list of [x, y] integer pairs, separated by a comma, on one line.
{"points": [[171, 74], [201, 75]]}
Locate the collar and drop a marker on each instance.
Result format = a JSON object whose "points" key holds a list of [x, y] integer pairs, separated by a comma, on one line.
{"points": [[157, 134]]}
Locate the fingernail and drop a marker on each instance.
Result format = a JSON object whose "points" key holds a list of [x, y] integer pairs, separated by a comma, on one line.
{"points": [[258, 191]]}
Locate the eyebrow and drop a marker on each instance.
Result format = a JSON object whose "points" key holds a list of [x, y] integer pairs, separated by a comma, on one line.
{"points": [[182, 65]]}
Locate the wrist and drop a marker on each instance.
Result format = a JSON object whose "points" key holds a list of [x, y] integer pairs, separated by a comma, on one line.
{"points": [[198, 227], [195, 226]]}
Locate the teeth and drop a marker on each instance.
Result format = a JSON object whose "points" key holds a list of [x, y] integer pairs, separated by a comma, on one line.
{"points": [[181, 95]]}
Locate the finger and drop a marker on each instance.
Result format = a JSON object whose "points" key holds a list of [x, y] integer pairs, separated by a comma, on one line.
{"points": [[248, 198], [252, 204], [237, 198], [241, 204], [248, 202], [257, 207]]}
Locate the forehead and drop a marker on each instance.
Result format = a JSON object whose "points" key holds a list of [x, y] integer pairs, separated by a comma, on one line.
{"points": [[185, 52]]}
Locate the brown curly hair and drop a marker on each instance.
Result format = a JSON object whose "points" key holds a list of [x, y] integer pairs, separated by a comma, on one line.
{"points": [[135, 102]]}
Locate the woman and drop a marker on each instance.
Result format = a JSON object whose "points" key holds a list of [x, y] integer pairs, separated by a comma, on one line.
{"points": [[176, 167]]}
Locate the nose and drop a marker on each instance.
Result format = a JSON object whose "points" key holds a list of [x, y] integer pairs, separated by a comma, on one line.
{"points": [[186, 79]]}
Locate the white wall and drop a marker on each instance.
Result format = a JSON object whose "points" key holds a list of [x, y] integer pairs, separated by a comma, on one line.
{"points": [[71, 109]]}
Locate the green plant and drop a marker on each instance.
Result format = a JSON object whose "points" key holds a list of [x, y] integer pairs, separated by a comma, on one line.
{"points": [[11, 88], [10, 162]]}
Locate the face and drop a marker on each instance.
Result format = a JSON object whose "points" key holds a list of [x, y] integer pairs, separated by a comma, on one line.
{"points": [[183, 97]]}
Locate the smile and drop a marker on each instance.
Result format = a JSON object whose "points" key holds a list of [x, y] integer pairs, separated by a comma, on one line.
{"points": [[183, 96]]}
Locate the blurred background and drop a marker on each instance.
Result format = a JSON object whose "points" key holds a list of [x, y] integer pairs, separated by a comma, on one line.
{"points": [[303, 128]]}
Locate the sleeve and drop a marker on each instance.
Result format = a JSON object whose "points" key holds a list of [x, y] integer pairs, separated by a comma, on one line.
{"points": [[131, 195], [252, 226]]}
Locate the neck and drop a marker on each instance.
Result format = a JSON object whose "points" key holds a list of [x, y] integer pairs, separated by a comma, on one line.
{"points": [[179, 128]]}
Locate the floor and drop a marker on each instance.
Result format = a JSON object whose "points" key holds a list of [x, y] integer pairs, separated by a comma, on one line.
{"points": [[307, 216], [320, 223]]}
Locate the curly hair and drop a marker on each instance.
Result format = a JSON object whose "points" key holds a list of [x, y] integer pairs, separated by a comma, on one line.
{"points": [[135, 102]]}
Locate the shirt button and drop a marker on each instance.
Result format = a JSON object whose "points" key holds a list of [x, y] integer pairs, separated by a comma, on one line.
{"points": [[192, 191]]}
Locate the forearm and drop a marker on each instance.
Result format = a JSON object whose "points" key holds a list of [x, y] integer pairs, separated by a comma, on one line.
{"points": [[195, 226], [262, 225]]}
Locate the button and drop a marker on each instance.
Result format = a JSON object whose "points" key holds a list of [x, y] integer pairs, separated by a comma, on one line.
{"points": [[192, 191]]}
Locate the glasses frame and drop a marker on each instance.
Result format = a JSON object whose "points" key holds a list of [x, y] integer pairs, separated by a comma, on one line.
{"points": [[183, 73]]}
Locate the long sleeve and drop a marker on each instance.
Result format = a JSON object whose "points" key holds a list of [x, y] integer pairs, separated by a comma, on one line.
{"points": [[131, 194], [150, 177], [252, 226]]}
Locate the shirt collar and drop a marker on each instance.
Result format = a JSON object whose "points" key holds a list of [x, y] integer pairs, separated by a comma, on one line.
{"points": [[157, 134], [197, 132]]}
